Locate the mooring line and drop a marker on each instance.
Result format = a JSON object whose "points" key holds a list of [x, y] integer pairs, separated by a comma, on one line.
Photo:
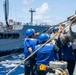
{"points": [[35, 51]]}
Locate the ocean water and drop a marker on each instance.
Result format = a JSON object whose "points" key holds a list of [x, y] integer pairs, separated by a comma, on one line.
{"points": [[7, 63]]}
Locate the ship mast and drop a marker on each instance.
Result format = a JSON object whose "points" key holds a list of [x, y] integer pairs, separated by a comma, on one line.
{"points": [[32, 15], [6, 11]]}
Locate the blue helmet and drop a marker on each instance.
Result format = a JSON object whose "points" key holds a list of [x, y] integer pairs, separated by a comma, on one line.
{"points": [[44, 37], [29, 32], [55, 28]]}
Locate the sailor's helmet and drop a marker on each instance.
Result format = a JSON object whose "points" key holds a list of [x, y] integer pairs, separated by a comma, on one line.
{"points": [[29, 32], [44, 37], [55, 28]]}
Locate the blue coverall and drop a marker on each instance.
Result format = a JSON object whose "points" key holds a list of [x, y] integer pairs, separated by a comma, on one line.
{"points": [[67, 54], [44, 56], [29, 42]]}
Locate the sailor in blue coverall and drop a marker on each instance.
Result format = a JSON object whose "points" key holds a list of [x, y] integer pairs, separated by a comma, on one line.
{"points": [[66, 50], [46, 54], [29, 46], [67, 54]]}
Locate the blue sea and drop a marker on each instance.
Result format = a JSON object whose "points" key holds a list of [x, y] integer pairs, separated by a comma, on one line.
{"points": [[7, 63]]}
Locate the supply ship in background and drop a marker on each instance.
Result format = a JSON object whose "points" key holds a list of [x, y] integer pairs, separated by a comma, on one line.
{"points": [[12, 34]]}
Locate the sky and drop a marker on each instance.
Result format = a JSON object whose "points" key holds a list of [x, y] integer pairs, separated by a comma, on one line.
{"points": [[47, 11]]}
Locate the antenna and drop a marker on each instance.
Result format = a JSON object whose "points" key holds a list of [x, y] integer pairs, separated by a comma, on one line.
{"points": [[32, 15]]}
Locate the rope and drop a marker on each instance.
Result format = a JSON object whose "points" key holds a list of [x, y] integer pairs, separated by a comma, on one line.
{"points": [[34, 52], [24, 38]]}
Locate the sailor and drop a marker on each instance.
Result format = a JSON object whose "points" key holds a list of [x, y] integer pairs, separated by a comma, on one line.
{"points": [[55, 30], [29, 46], [56, 38], [46, 54], [56, 35], [67, 52], [72, 38]]}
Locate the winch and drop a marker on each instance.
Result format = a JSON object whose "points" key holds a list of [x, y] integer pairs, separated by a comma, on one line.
{"points": [[58, 68]]}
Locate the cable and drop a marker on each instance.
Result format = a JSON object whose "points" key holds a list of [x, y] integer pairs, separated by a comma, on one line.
{"points": [[34, 52]]}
